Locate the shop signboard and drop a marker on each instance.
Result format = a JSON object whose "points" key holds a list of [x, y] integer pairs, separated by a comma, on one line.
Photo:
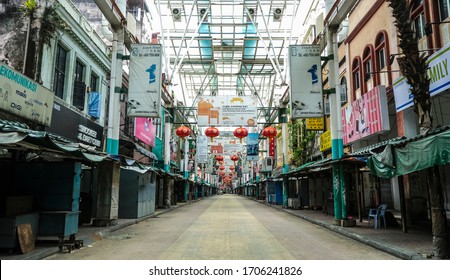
{"points": [[72, 125], [21, 96], [438, 73]]}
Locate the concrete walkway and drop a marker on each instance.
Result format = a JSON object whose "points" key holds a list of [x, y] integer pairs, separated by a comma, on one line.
{"points": [[416, 244]]}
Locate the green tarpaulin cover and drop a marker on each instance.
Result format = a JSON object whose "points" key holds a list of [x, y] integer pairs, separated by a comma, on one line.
{"points": [[412, 155]]}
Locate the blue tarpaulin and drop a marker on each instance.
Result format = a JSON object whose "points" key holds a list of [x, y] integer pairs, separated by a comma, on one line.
{"points": [[94, 104]]}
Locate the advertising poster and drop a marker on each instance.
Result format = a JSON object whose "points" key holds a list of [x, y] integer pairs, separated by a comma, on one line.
{"points": [[144, 90], [366, 115], [145, 130], [306, 82], [227, 110], [24, 97], [252, 147]]}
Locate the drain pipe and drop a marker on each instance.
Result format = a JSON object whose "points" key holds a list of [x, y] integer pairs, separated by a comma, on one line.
{"points": [[112, 141]]}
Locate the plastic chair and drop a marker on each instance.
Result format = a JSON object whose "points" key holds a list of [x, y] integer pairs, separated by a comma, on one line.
{"points": [[378, 214]]}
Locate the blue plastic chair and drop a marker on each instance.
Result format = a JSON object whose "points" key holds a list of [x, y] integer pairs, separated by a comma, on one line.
{"points": [[377, 214]]}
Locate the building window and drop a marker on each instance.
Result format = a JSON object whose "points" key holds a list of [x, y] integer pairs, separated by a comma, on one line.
{"points": [[368, 65], [444, 9], [380, 52], [60, 71], [356, 77], [79, 87], [419, 26], [343, 90], [94, 82]]}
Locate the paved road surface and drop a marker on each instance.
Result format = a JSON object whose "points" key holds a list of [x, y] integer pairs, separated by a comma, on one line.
{"points": [[225, 227]]}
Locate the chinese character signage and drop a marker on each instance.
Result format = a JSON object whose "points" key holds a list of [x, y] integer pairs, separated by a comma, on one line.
{"points": [[306, 81], [314, 124], [325, 140], [144, 90]]}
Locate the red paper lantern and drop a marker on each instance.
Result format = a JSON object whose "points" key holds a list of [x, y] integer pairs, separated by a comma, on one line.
{"points": [[240, 133], [212, 132], [219, 158], [269, 132], [231, 167], [221, 167], [234, 158], [183, 131]]}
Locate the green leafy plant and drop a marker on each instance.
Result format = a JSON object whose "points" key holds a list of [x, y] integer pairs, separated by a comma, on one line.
{"points": [[28, 7]]}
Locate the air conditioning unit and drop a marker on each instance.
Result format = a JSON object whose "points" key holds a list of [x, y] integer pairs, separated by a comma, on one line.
{"points": [[277, 14], [267, 164], [176, 14]]}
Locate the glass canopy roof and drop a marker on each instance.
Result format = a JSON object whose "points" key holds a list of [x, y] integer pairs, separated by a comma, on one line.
{"points": [[228, 47]]}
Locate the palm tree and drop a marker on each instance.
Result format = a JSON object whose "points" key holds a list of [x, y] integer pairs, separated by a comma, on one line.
{"points": [[414, 67]]}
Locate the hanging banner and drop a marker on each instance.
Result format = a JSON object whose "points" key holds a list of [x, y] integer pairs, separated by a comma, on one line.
{"points": [[252, 147], [144, 90], [24, 97], [202, 149], [366, 115], [227, 110], [306, 81]]}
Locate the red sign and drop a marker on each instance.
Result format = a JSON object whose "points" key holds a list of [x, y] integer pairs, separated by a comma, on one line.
{"points": [[365, 116], [145, 130]]}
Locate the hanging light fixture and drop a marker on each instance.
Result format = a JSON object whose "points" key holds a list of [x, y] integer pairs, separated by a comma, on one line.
{"points": [[183, 131], [212, 132], [231, 167], [240, 133], [269, 132]]}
